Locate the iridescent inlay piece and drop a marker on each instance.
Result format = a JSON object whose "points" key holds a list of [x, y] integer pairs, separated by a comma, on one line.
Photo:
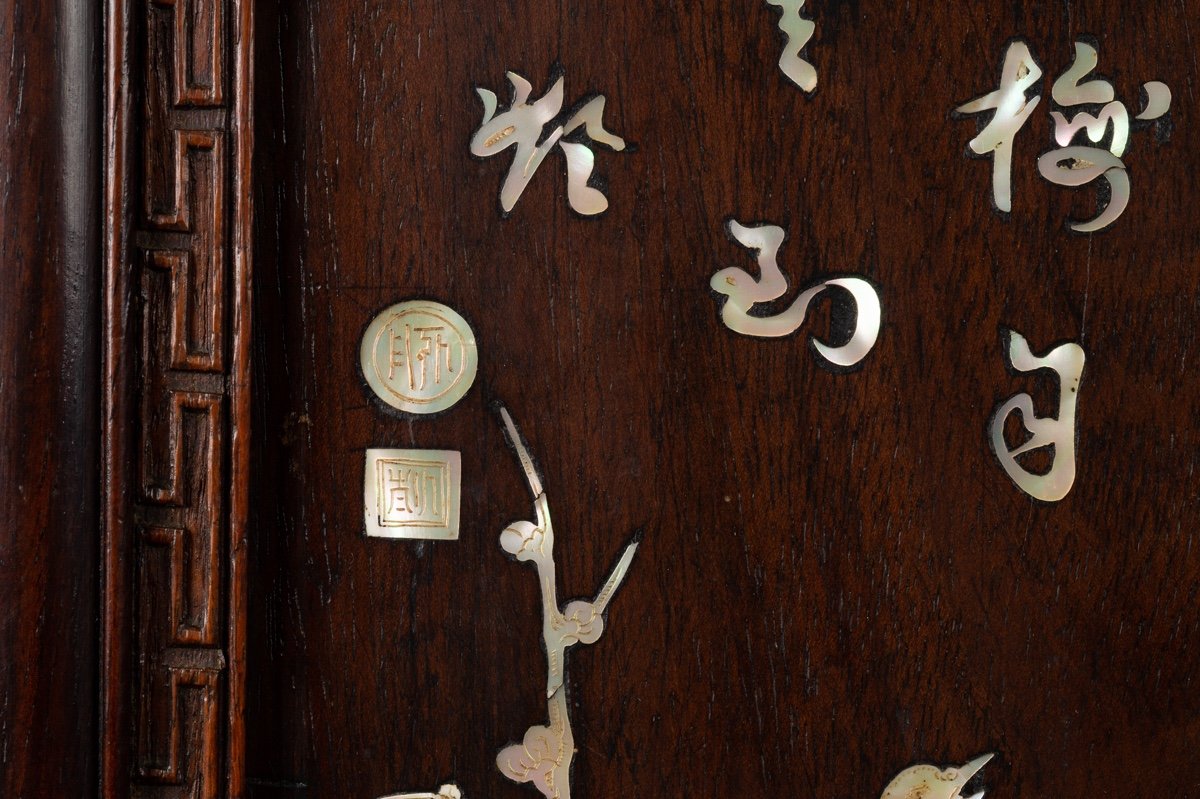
{"points": [[743, 292], [798, 31], [930, 782], [412, 493], [1066, 361], [419, 356], [1012, 108], [448, 791], [523, 124], [543, 757], [1075, 163]]}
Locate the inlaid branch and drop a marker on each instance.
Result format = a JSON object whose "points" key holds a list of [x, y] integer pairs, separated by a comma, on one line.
{"points": [[544, 755]]}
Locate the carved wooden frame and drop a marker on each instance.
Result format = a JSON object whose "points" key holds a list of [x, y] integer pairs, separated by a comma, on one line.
{"points": [[175, 394]]}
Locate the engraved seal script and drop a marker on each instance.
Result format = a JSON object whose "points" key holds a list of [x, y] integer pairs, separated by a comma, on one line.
{"points": [[419, 356]]}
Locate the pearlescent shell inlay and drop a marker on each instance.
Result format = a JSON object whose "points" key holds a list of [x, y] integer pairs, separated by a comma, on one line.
{"points": [[419, 356], [930, 782], [412, 493]]}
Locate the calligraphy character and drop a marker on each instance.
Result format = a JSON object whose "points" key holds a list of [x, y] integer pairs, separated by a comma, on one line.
{"points": [[1078, 165], [1065, 360], [523, 124], [798, 31], [743, 292], [1012, 109]]}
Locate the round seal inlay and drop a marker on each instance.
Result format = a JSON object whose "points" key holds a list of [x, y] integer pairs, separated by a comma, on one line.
{"points": [[419, 356]]}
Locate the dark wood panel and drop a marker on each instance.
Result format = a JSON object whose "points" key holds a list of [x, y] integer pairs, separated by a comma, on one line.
{"points": [[49, 414], [837, 579]]}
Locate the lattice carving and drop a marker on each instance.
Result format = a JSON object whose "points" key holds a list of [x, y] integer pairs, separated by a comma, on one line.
{"points": [[179, 593], [193, 572], [186, 442], [179, 730], [185, 64], [192, 33], [193, 289], [196, 179]]}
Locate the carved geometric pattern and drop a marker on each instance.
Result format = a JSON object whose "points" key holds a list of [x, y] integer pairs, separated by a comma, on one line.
{"points": [[195, 177], [183, 450], [179, 725], [196, 297], [186, 290], [193, 569], [196, 42]]}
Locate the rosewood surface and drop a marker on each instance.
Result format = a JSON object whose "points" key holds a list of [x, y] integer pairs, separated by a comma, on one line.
{"points": [[837, 579]]}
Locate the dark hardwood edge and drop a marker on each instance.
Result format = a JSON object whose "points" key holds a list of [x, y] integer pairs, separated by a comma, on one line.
{"points": [[242, 127], [115, 629], [50, 240]]}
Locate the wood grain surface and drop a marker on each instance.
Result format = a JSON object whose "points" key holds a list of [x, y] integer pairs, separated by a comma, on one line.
{"points": [[837, 578], [49, 399]]}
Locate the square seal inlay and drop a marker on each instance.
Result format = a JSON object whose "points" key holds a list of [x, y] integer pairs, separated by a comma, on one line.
{"points": [[412, 493]]}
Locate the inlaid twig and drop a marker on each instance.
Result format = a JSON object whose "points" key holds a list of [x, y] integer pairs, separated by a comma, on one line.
{"points": [[544, 755]]}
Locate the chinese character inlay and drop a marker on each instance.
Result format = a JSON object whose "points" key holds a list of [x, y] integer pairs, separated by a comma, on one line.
{"points": [[420, 351], [419, 356], [1012, 108], [522, 126], [412, 493], [1099, 116], [1066, 361], [1078, 165], [798, 31], [743, 292]]}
